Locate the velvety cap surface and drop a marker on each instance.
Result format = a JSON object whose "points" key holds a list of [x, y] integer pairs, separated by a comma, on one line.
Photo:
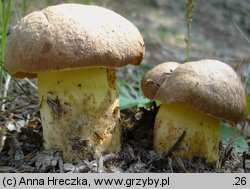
{"points": [[154, 78], [72, 36], [209, 86]]}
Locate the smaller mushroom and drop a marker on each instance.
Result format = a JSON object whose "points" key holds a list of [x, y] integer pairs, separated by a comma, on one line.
{"points": [[195, 97], [154, 78]]}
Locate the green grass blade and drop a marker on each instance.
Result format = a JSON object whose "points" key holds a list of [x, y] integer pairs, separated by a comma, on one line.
{"points": [[241, 32], [2, 46], [25, 6], [248, 104], [5, 15]]}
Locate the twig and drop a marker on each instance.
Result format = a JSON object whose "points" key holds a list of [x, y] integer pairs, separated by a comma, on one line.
{"points": [[180, 163], [89, 165], [244, 161], [170, 164], [175, 147], [60, 164], [5, 91], [30, 155], [156, 160], [25, 93], [226, 152], [31, 83], [100, 165]]}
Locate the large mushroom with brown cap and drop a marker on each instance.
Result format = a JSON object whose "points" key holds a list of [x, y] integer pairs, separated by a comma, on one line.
{"points": [[73, 51], [195, 97]]}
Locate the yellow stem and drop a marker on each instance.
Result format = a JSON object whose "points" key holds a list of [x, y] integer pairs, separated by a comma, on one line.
{"points": [[202, 131], [80, 111]]}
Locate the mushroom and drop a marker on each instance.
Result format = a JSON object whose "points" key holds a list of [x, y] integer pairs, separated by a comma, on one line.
{"points": [[73, 51], [195, 97], [154, 78]]}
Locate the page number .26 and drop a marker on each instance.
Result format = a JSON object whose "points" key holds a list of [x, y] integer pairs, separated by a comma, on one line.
{"points": [[240, 181]]}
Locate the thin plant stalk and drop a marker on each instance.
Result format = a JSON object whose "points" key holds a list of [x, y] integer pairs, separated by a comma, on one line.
{"points": [[5, 90], [241, 32], [25, 6], [189, 17], [22, 89], [248, 41], [4, 14]]}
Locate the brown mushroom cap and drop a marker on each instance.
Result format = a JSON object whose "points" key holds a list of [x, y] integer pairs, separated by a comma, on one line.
{"points": [[209, 86], [153, 79], [72, 36]]}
